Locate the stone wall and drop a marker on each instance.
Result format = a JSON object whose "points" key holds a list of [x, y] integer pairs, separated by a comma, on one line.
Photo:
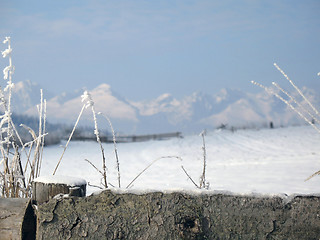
{"points": [[111, 215], [17, 219]]}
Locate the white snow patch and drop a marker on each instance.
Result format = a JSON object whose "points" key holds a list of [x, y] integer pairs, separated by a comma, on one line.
{"points": [[58, 179], [267, 161], [196, 192]]}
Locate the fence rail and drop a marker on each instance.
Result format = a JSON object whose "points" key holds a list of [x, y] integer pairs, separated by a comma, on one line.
{"points": [[132, 138]]}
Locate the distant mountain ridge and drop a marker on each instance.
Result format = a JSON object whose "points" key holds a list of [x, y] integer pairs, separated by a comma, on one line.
{"points": [[165, 113]]}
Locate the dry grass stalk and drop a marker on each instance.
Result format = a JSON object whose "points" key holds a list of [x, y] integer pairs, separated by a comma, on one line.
{"points": [[313, 175], [203, 183], [69, 139], [96, 132], [92, 185], [88, 102], [146, 168], [86, 97], [102, 174], [185, 171], [203, 176], [115, 147], [44, 130], [94, 166]]}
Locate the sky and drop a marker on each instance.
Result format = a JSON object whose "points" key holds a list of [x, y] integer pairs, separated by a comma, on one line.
{"points": [[143, 49]]}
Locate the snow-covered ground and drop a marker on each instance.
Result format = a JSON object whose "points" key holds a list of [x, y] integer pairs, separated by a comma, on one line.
{"points": [[267, 161]]}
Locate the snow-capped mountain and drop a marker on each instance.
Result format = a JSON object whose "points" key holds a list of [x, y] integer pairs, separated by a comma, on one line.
{"points": [[67, 106], [25, 95], [165, 113]]}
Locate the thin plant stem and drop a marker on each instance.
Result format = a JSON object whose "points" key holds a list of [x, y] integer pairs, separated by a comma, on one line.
{"points": [[9, 87], [34, 136], [44, 130], [17, 134], [313, 175], [296, 102], [28, 158], [190, 177], [115, 147], [96, 132], [146, 168], [203, 176], [72, 132], [88, 102], [94, 166], [36, 157], [91, 185], [292, 107], [298, 90], [38, 146], [288, 104]]}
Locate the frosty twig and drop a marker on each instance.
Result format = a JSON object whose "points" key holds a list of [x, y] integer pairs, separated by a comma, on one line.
{"points": [[203, 176], [203, 182], [86, 97], [115, 147]]}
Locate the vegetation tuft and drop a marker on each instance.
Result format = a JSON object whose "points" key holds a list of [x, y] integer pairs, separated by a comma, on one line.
{"points": [[16, 178]]}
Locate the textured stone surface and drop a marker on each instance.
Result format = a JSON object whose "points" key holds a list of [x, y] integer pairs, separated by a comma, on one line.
{"points": [[179, 216], [17, 220]]}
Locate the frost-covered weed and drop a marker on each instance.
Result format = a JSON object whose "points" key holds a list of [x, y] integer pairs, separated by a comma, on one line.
{"points": [[96, 132], [203, 183], [115, 147], [307, 112], [72, 132], [88, 102], [15, 181]]}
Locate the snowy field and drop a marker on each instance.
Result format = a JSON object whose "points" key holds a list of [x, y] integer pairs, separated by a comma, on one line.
{"points": [[267, 161]]}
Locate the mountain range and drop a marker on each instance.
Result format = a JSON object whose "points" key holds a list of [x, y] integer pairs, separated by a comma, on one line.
{"points": [[165, 113]]}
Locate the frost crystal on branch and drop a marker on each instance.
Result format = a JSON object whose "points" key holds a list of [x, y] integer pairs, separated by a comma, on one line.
{"points": [[5, 72], [6, 52], [9, 86], [87, 99], [7, 39]]}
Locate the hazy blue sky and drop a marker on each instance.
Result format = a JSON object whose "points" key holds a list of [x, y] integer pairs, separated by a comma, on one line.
{"points": [[146, 48]]}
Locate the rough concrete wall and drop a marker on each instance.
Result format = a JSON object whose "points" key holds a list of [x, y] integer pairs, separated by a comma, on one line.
{"points": [[17, 220], [179, 216]]}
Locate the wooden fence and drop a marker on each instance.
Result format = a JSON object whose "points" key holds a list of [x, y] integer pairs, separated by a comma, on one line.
{"points": [[131, 138]]}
